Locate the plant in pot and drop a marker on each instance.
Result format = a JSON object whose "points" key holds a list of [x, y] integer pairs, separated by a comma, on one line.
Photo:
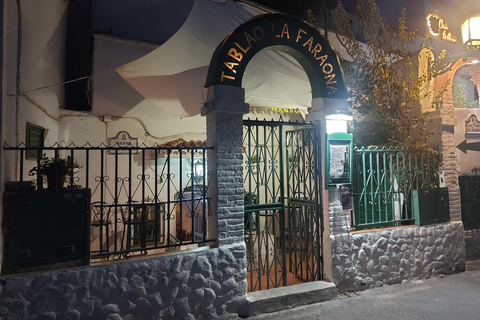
{"points": [[55, 169]]}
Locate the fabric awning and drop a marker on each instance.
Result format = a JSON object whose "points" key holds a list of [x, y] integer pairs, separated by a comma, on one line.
{"points": [[173, 75]]}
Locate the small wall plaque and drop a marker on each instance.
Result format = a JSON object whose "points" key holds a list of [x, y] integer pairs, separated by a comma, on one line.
{"points": [[472, 125], [123, 140]]}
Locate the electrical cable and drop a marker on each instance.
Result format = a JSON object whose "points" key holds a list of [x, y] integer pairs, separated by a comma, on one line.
{"points": [[62, 83]]}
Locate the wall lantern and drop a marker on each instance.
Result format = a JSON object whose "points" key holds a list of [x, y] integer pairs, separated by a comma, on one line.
{"points": [[337, 122], [337, 116], [471, 33], [198, 170], [335, 112]]}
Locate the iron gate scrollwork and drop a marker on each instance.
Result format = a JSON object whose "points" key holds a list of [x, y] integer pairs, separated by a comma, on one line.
{"points": [[283, 220]]}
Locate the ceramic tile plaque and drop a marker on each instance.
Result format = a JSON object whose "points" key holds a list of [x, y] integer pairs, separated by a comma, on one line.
{"points": [[123, 140], [472, 125]]}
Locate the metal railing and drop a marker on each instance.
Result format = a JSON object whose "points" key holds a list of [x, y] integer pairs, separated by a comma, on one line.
{"points": [[143, 199], [383, 181]]}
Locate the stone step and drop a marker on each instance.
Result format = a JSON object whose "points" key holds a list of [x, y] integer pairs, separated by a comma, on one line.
{"points": [[282, 298]]}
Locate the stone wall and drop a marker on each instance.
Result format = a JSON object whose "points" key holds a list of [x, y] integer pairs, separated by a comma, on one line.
{"points": [[363, 260], [208, 284]]}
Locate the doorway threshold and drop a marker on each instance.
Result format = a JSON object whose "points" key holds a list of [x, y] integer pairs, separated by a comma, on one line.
{"points": [[276, 299]]}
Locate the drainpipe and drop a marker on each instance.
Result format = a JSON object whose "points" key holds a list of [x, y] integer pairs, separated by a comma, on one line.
{"points": [[17, 84], [325, 19]]}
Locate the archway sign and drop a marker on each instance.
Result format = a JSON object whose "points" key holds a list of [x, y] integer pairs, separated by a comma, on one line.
{"points": [[283, 33]]}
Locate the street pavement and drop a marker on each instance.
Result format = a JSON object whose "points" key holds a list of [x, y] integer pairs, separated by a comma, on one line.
{"points": [[448, 297]]}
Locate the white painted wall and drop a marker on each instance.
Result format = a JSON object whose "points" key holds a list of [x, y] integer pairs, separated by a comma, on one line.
{"points": [[41, 66], [116, 105]]}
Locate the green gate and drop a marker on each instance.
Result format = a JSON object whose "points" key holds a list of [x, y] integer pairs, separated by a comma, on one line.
{"points": [[283, 216]]}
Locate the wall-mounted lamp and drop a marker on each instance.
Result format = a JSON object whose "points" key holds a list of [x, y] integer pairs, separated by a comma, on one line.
{"points": [[334, 112], [337, 123], [337, 116], [471, 33], [198, 170]]}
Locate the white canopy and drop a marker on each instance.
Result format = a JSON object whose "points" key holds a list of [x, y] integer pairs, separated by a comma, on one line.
{"points": [[173, 75]]}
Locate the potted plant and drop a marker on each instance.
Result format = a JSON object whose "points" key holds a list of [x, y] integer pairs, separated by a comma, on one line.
{"points": [[254, 162], [55, 169]]}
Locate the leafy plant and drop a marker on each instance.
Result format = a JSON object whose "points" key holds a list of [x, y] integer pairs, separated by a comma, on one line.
{"points": [[475, 170], [382, 79], [460, 97], [52, 165], [256, 159]]}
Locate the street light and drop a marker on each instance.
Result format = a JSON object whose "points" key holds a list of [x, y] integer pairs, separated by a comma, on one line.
{"points": [[471, 33]]}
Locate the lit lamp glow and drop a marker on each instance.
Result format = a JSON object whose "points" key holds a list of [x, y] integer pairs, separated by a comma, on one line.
{"points": [[337, 115], [337, 122], [471, 33], [198, 170]]}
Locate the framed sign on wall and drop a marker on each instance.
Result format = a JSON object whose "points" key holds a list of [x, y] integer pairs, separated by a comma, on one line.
{"points": [[339, 159], [123, 141], [35, 138]]}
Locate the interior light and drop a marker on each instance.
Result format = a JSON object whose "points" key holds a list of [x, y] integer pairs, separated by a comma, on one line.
{"points": [[198, 170]]}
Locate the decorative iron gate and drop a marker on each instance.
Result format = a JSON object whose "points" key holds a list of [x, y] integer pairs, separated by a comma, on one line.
{"points": [[283, 216]]}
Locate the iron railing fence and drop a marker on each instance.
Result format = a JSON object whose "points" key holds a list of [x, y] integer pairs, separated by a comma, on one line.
{"points": [[383, 181], [143, 199]]}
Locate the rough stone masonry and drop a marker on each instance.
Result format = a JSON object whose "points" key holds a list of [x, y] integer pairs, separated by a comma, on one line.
{"points": [[363, 260], [203, 285]]}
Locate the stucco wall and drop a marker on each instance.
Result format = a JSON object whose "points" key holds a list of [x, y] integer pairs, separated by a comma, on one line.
{"points": [[33, 95]]}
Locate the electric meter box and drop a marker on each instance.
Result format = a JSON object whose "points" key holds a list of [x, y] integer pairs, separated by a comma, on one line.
{"points": [[431, 206]]}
